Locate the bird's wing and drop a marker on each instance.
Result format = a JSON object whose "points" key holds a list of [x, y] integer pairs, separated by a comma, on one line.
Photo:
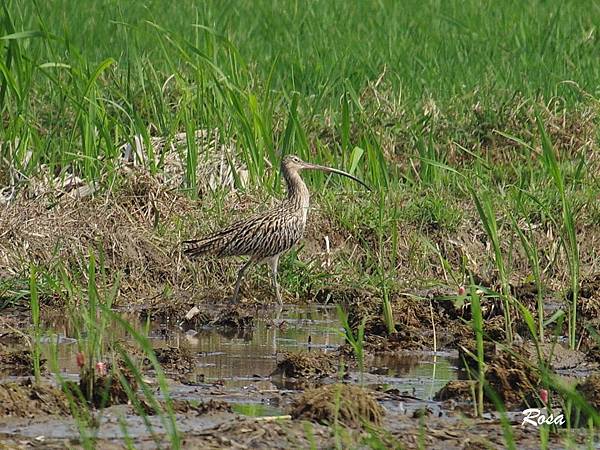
{"points": [[266, 235], [262, 235], [213, 243]]}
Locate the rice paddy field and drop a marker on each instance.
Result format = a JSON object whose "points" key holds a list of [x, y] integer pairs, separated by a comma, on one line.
{"points": [[455, 304]]}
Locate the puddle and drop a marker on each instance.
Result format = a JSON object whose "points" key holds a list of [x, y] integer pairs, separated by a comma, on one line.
{"points": [[223, 354], [251, 355], [235, 366], [238, 358], [420, 376]]}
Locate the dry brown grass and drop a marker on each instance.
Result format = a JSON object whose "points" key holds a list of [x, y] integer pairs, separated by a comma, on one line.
{"points": [[119, 227]]}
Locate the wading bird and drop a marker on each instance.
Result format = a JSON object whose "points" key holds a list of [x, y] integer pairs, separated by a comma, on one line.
{"points": [[264, 237]]}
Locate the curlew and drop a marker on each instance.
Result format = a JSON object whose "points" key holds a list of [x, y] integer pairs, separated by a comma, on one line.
{"points": [[264, 237]]}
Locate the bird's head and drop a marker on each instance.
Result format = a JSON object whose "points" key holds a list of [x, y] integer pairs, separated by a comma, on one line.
{"points": [[293, 162]]}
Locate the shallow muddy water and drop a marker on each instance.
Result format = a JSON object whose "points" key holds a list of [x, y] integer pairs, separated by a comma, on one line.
{"points": [[237, 358], [235, 366]]}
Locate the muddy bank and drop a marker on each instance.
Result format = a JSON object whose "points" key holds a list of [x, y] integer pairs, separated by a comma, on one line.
{"points": [[138, 226], [18, 362], [228, 374], [226, 430], [27, 399]]}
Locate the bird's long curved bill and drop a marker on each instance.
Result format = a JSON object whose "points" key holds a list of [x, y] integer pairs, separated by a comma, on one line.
{"points": [[339, 172]]}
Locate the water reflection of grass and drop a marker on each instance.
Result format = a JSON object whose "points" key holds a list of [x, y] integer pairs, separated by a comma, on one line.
{"points": [[221, 352], [423, 375], [256, 410]]}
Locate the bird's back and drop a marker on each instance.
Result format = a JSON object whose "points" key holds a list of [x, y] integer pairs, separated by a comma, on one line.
{"points": [[260, 236]]}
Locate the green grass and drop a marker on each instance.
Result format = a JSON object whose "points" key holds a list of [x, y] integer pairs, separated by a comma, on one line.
{"points": [[477, 325], [35, 318], [95, 324], [568, 233], [462, 46], [475, 123], [78, 81], [485, 209], [356, 342]]}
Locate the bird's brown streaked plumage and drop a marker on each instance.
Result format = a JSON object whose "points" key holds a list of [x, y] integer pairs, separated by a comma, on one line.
{"points": [[264, 237]]}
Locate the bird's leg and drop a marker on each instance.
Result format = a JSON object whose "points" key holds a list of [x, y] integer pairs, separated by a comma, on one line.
{"points": [[273, 262], [238, 282]]}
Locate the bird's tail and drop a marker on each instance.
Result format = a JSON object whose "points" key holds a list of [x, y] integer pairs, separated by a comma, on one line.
{"points": [[213, 244], [199, 247]]}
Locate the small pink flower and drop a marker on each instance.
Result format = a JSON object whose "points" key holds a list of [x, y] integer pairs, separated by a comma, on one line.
{"points": [[461, 290], [101, 368], [80, 358], [544, 395]]}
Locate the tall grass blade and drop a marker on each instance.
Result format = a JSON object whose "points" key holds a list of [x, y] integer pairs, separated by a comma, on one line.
{"points": [[35, 316], [487, 215], [477, 325], [356, 341], [568, 227]]}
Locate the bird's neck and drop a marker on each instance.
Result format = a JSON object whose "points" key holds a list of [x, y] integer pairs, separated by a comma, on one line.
{"points": [[297, 192]]}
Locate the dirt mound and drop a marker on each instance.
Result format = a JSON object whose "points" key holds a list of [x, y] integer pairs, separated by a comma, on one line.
{"points": [[412, 317], [590, 390], [106, 386], [512, 378], [305, 365], [175, 359], [405, 339], [508, 372], [459, 390], [367, 310], [229, 316], [412, 321], [407, 312], [589, 298], [350, 405], [17, 362], [28, 400], [555, 356], [186, 407], [260, 434]]}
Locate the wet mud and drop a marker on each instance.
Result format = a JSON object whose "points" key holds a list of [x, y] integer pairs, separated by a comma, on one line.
{"points": [[246, 376], [27, 399], [305, 365], [17, 362]]}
